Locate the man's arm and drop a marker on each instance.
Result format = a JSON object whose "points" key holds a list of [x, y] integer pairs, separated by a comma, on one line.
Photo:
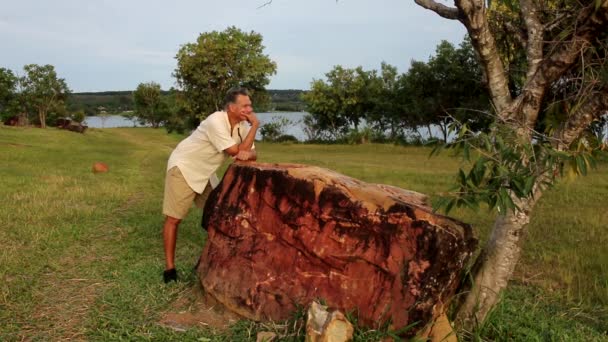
{"points": [[247, 155], [249, 138]]}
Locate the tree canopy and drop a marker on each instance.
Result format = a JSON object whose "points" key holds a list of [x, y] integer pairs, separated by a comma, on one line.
{"points": [[448, 87], [218, 61], [43, 92], [150, 108], [8, 91]]}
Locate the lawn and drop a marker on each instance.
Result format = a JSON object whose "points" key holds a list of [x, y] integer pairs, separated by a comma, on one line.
{"points": [[82, 253]]}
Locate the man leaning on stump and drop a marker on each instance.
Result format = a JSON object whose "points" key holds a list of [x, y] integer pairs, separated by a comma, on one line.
{"points": [[192, 165]]}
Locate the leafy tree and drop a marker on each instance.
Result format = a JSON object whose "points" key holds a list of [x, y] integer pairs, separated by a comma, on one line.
{"points": [[43, 91], [449, 86], [344, 100], [274, 129], [8, 91], [218, 61], [554, 51], [149, 106], [78, 116], [387, 107]]}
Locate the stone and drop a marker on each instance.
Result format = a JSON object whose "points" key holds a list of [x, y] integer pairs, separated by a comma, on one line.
{"points": [[266, 336], [99, 167], [11, 121], [324, 326], [70, 125], [283, 235]]}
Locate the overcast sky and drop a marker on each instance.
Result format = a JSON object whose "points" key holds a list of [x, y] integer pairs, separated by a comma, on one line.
{"points": [[117, 44]]}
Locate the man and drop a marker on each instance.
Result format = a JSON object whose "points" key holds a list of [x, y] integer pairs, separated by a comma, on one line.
{"points": [[195, 160]]}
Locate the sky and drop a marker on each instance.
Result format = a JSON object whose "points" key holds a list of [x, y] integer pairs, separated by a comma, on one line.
{"points": [[107, 45]]}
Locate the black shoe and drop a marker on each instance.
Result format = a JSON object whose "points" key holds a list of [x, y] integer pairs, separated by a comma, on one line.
{"points": [[170, 275]]}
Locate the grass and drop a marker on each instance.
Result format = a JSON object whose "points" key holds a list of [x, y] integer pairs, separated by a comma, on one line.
{"points": [[81, 254]]}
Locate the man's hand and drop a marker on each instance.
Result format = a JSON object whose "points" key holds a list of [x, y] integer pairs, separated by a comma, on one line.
{"points": [[252, 119], [246, 155]]}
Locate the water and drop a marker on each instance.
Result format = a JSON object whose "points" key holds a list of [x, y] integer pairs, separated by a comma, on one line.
{"points": [[295, 128], [110, 121]]}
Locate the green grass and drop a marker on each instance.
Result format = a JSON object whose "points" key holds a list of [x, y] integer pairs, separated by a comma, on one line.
{"points": [[82, 258]]}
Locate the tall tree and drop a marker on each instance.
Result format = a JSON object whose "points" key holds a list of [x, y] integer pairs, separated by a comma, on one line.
{"points": [[387, 109], [343, 101], [218, 61], [448, 87], [562, 44], [43, 91], [8, 90], [149, 106]]}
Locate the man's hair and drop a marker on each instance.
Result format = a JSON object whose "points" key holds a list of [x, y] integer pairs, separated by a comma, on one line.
{"points": [[233, 93]]}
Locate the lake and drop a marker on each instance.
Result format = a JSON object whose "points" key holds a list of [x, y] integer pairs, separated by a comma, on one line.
{"points": [[295, 128]]}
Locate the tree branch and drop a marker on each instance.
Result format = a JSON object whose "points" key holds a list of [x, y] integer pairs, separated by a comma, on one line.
{"points": [[473, 16], [595, 105], [518, 33], [265, 4], [534, 45], [589, 25], [442, 10]]}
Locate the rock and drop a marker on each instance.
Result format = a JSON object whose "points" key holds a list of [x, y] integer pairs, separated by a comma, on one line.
{"points": [[77, 127], [324, 326], [266, 336], [11, 121], [99, 167], [70, 125], [441, 330], [283, 235]]}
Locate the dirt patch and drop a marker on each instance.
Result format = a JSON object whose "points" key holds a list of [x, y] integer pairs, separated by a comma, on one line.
{"points": [[195, 309]]}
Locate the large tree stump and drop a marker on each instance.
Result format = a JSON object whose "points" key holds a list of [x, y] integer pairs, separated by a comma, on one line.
{"points": [[282, 235]]}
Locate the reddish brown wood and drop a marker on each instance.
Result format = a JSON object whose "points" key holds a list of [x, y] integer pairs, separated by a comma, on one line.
{"points": [[282, 235]]}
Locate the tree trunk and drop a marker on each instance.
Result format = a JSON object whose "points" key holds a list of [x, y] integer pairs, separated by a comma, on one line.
{"points": [[22, 119], [42, 117], [495, 265]]}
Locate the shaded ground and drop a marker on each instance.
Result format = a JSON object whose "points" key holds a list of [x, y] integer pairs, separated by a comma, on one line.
{"points": [[195, 309]]}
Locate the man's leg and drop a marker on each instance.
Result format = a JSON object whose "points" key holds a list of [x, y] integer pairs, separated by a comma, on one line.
{"points": [[170, 239], [177, 200]]}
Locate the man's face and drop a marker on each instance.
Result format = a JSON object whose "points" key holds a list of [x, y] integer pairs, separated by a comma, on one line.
{"points": [[242, 106]]}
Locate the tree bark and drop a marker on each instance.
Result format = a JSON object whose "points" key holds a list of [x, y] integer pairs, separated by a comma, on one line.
{"points": [[474, 18], [589, 111], [441, 9], [494, 266], [42, 117], [496, 263]]}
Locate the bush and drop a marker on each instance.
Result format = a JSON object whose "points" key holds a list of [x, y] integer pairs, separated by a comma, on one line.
{"points": [[365, 135], [287, 138], [274, 129], [78, 116]]}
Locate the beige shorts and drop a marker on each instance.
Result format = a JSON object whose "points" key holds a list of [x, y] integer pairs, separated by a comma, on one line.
{"points": [[179, 196]]}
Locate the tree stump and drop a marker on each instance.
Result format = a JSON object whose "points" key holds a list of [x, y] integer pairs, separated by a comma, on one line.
{"points": [[283, 235]]}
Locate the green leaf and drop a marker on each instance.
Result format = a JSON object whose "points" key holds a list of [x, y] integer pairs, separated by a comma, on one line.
{"points": [[581, 165], [462, 177], [529, 183], [450, 204], [403, 330], [519, 186]]}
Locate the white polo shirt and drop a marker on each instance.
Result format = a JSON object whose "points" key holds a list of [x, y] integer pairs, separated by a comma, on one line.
{"points": [[202, 153]]}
